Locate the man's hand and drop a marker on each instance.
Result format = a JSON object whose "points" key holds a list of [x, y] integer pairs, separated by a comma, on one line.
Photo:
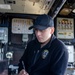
{"points": [[23, 72]]}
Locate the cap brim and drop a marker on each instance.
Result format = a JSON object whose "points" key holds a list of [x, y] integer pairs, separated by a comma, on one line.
{"points": [[30, 27], [39, 27]]}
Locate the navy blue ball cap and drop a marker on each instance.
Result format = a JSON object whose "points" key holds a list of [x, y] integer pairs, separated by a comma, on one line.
{"points": [[42, 22]]}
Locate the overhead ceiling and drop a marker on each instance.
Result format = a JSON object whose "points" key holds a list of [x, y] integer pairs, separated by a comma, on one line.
{"points": [[51, 7], [37, 7], [27, 6], [68, 8]]}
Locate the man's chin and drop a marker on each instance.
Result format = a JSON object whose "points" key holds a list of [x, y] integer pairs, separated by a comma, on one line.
{"points": [[41, 42]]}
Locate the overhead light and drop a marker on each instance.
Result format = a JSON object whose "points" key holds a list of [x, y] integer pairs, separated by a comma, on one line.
{"points": [[65, 11], [73, 8], [5, 6], [73, 11]]}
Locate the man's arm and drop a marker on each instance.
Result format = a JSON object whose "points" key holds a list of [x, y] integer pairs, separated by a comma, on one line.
{"points": [[59, 63], [23, 61]]}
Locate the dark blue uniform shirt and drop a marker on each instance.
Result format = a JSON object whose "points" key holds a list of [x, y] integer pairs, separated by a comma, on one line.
{"points": [[49, 60]]}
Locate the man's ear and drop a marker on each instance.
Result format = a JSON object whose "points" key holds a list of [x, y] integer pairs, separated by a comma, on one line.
{"points": [[52, 30]]}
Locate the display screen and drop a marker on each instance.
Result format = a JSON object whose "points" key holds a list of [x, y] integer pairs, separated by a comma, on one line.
{"points": [[1, 34], [4, 34]]}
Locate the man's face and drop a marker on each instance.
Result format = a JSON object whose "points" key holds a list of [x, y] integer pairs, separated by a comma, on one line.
{"points": [[44, 35]]}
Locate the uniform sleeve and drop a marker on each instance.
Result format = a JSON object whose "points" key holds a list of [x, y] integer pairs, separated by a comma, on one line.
{"points": [[59, 62], [24, 58]]}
